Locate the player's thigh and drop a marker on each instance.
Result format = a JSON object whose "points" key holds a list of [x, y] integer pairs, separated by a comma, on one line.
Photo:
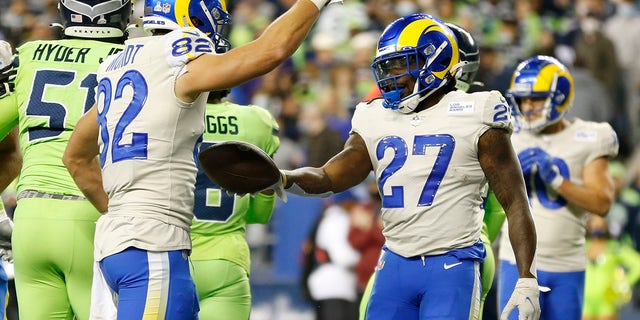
{"points": [[565, 300], [53, 244], [453, 290], [362, 309], [487, 271], [393, 295], [440, 287], [151, 285], [223, 289], [80, 268]]}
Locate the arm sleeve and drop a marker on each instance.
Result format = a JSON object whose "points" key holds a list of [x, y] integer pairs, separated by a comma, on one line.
{"points": [[260, 208]]}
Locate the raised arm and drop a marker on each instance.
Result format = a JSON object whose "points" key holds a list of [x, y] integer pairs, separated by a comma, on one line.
{"points": [[81, 159], [278, 42], [345, 170]]}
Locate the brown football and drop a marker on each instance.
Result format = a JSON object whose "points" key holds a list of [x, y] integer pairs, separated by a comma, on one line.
{"points": [[238, 167]]}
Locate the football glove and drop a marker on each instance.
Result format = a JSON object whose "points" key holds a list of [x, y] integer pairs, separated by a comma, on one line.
{"points": [[7, 71], [547, 171], [278, 187], [525, 297], [527, 159], [323, 3], [6, 229]]}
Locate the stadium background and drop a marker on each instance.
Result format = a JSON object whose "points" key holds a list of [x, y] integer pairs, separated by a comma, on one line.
{"points": [[312, 95]]}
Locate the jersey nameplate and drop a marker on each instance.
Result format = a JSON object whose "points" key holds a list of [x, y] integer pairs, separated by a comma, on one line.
{"points": [[586, 136], [460, 107]]}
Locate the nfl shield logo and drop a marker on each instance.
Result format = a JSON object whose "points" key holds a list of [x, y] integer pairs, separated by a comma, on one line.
{"points": [[76, 18]]}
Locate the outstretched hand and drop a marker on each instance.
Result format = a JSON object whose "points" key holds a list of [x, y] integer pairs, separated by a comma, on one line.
{"points": [[278, 187]]}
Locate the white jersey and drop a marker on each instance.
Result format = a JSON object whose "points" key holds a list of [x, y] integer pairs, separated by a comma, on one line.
{"points": [[427, 169], [148, 142], [560, 226]]}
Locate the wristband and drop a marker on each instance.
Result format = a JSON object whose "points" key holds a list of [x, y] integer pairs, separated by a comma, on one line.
{"points": [[284, 178]]}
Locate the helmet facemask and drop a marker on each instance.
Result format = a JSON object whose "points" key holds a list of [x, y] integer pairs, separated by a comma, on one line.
{"points": [[548, 115], [413, 62], [419, 46], [541, 77]]}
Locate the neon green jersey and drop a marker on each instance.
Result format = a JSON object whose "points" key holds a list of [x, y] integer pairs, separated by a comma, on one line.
{"points": [[55, 86], [218, 230]]}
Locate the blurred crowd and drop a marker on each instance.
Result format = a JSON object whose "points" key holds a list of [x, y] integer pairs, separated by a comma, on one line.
{"points": [[314, 93], [331, 73]]}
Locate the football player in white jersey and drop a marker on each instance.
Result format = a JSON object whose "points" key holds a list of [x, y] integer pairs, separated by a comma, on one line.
{"points": [[146, 127], [565, 167], [432, 149]]}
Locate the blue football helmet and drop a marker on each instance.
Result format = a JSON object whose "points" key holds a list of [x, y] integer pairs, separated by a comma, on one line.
{"points": [[466, 70], [209, 16], [416, 45], [94, 18], [541, 77]]}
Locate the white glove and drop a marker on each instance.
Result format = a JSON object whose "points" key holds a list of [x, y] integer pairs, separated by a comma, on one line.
{"points": [[526, 298], [7, 72], [323, 3], [278, 187], [6, 54]]}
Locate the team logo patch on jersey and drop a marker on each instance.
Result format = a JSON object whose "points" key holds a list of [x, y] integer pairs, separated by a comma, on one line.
{"points": [[586, 136], [460, 107]]}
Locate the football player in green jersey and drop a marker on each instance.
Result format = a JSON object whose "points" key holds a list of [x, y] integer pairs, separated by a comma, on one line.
{"points": [[54, 223], [220, 254]]}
